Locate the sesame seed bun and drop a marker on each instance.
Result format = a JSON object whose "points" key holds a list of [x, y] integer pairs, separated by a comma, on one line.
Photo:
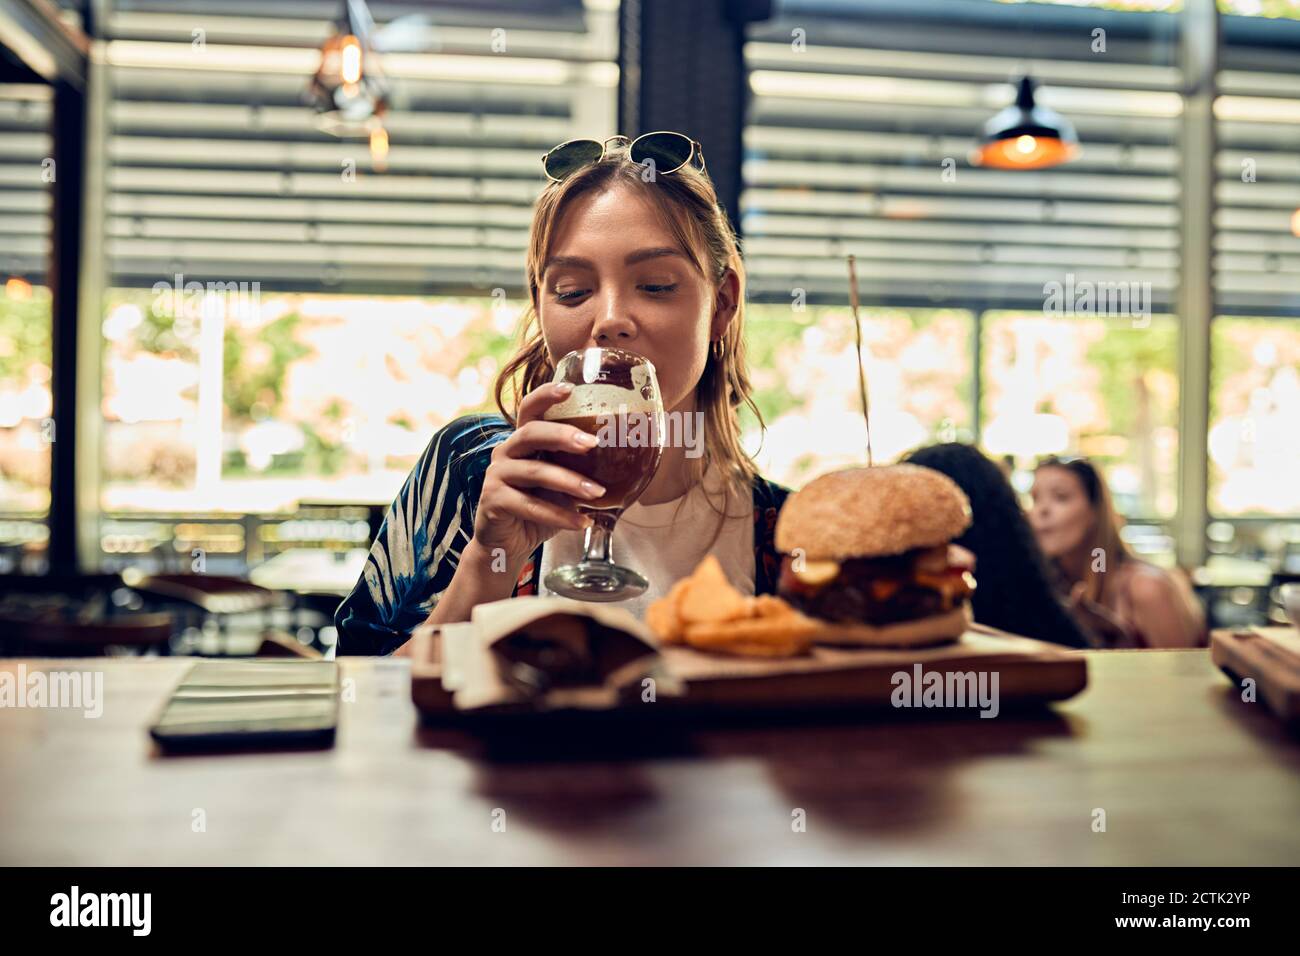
{"points": [[872, 512]]}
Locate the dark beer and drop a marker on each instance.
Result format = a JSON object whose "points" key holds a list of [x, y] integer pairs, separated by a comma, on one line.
{"points": [[623, 462], [615, 396]]}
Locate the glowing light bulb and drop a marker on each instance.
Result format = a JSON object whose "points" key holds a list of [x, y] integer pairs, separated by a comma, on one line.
{"points": [[379, 147], [1026, 144], [350, 63]]}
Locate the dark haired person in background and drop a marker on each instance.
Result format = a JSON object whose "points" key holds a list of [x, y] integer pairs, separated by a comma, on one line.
{"points": [[1014, 590], [1120, 600]]}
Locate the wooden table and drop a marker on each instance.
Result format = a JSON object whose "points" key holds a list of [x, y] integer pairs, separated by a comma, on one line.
{"points": [[1186, 772]]}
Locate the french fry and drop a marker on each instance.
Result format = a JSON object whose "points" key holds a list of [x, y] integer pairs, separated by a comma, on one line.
{"points": [[769, 605], [709, 596], [662, 616], [757, 637], [705, 612]]}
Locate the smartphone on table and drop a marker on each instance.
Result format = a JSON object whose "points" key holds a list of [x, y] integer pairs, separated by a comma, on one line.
{"points": [[250, 703]]}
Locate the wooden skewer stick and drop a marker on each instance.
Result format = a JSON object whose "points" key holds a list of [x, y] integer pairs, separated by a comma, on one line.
{"points": [[862, 374]]}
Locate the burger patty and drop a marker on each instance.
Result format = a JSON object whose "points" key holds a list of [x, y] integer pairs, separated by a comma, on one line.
{"points": [[879, 591]]}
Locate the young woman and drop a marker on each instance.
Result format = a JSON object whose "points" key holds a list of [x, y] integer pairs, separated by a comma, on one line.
{"points": [[624, 253], [1013, 586], [1119, 600]]}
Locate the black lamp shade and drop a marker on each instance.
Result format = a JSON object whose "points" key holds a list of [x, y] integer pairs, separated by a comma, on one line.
{"points": [[1026, 135]]}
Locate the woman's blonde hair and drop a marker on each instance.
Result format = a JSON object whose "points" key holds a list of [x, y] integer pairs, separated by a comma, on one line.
{"points": [[689, 206]]}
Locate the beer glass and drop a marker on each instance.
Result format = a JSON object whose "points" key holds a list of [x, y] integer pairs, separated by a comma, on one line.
{"points": [[616, 398]]}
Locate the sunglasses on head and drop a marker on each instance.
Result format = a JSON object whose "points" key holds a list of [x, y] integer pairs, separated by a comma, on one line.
{"points": [[664, 152], [1077, 462]]}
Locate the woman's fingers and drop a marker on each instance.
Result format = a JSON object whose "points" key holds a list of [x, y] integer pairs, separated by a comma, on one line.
{"points": [[538, 436], [506, 501], [517, 465], [536, 402], [532, 473]]}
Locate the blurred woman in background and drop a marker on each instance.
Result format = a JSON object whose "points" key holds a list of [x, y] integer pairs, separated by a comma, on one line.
{"points": [[1118, 599], [1013, 584]]}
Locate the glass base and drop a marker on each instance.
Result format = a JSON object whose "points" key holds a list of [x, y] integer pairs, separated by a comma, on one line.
{"points": [[596, 581]]}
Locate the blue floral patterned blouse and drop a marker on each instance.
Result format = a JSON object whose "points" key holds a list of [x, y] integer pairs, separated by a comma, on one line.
{"points": [[419, 544]]}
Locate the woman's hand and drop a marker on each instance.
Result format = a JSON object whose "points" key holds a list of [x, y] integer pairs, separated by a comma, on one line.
{"points": [[525, 500]]}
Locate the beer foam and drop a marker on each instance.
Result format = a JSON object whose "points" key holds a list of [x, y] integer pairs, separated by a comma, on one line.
{"points": [[590, 401]]}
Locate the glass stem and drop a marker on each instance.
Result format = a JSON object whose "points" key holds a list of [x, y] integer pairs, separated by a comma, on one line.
{"points": [[598, 546]]}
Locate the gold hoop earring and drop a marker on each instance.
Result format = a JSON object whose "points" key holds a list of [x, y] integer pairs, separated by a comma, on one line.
{"points": [[716, 348]]}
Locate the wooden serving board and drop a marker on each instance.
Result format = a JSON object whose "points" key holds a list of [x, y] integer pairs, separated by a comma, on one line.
{"points": [[1028, 671], [1268, 655]]}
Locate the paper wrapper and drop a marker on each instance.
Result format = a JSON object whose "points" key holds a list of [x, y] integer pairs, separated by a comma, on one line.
{"points": [[549, 653]]}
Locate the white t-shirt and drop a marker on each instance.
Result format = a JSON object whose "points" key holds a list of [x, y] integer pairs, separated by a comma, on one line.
{"points": [[665, 544]]}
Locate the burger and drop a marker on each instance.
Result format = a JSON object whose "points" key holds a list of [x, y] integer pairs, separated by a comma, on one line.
{"points": [[867, 550]]}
